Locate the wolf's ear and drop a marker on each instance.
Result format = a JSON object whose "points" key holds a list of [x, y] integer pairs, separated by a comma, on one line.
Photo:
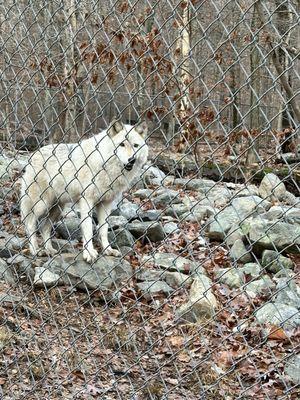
{"points": [[142, 128], [115, 127]]}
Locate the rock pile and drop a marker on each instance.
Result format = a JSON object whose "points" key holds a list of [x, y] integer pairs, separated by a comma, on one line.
{"points": [[260, 226]]}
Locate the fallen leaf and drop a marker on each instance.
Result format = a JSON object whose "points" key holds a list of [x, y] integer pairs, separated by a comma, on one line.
{"points": [[176, 341], [276, 333]]}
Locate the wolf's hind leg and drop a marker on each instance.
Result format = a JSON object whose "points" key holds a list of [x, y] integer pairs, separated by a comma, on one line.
{"points": [[46, 228], [103, 211], [30, 222], [31, 226], [90, 254], [38, 210]]}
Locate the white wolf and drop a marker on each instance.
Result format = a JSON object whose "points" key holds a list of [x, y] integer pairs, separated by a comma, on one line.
{"points": [[91, 173]]}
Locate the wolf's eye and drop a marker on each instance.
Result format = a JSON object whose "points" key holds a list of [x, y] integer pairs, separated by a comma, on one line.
{"points": [[135, 145], [122, 144]]}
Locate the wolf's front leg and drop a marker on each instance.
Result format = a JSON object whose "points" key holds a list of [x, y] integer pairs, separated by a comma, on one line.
{"points": [[90, 254], [103, 211]]}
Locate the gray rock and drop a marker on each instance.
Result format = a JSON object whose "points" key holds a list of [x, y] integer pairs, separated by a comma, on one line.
{"points": [[69, 228], [10, 245], [234, 234], [272, 187], [202, 302], [150, 274], [219, 196], [288, 292], [267, 235], [292, 216], [6, 273], [181, 182], [249, 190], [126, 250], [275, 212], [177, 279], [137, 183], [153, 175], [143, 194], [288, 157], [8, 166], [192, 202], [172, 262], [239, 252], [245, 206], [277, 314], [64, 246], [284, 213], [106, 273], [173, 279], [45, 278], [221, 223], [275, 262], [292, 368], [4, 168], [120, 238], [198, 213], [176, 210], [150, 215], [165, 197], [116, 221], [290, 198], [153, 231], [10, 298], [170, 228], [252, 269], [256, 287], [25, 266], [234, 278], [129, 210], [202, 185], [151, 289]]}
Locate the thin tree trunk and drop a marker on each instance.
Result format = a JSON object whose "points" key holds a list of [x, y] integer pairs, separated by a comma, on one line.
{"points": [[281, 62], [68, 100], [256, 121], [184, 75], [274, 39]]}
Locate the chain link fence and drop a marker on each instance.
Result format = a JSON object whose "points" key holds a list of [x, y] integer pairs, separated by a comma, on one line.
{"points": [[149, 199]]}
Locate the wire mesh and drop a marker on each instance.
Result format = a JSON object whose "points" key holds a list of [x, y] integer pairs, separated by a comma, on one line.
{"points": [[149, 200]]}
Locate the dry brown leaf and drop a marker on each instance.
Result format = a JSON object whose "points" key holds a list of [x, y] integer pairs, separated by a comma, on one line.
{"points": [[276, 333]]}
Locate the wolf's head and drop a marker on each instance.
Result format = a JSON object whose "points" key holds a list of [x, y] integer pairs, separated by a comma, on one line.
{"points": [[129, 143]]}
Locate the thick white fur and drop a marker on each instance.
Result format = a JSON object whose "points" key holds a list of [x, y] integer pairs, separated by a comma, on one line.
{"points": [[90, 173]]}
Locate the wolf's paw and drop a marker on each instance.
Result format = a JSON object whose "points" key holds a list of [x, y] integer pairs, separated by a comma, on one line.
{"points": [[90, 255], [111, 252]]}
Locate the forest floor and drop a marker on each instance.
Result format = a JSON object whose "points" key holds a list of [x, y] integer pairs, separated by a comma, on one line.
{"points": [[63, 343]]}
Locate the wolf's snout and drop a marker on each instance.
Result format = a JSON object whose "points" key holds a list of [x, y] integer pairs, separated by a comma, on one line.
{"points": [[131, 160], [130, 163]]}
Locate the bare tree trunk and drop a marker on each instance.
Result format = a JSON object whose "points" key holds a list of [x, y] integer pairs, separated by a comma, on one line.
{"points": [[141, 84], [284, 21], [184, 45], [185, 66], [68, 100], [276, 37], [256, 121]]}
